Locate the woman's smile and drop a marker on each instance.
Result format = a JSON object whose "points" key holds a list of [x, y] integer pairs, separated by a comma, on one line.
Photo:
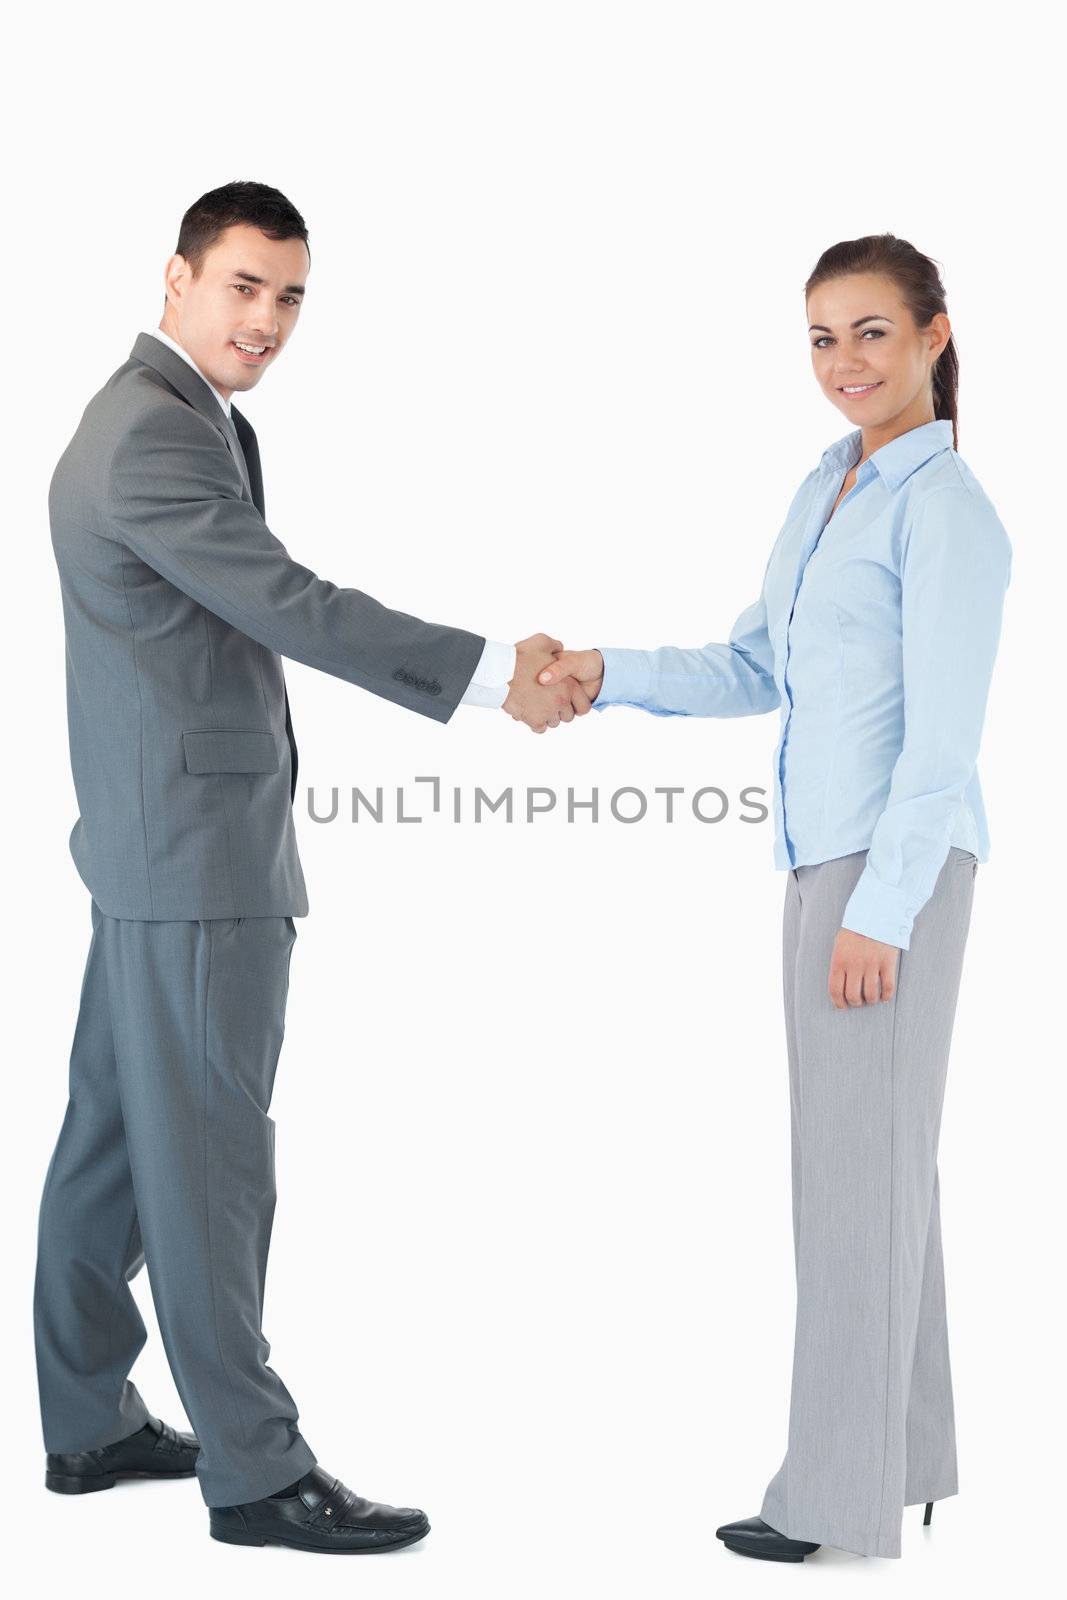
{"points": [[856, 391]]}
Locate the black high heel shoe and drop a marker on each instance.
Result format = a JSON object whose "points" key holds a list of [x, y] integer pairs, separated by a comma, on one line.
{"points": [[754, 1537]]}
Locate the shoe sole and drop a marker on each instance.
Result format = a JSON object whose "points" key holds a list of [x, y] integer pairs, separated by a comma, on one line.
{"points": [[763, 1555], [64, 1483], [233, 1536]]}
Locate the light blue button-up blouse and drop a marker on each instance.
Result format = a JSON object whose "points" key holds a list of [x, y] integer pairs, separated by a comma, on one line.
{"points": [[875, 633]]}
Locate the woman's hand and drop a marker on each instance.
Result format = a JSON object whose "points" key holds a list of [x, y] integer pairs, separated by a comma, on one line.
{"points": [[586, 666], [862, 970]]}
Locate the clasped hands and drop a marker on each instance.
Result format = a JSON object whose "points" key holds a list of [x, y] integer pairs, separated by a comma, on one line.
{"points": [[552, 685]]}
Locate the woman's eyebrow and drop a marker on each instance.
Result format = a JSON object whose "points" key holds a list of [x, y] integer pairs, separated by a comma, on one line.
{"points": [[875, 317]]}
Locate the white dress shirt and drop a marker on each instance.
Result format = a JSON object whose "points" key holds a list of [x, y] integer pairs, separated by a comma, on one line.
{"points": [[157, 333], [496, 667]]}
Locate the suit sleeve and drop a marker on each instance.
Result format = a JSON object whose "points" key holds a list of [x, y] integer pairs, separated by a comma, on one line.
{"points": [[955, 569], [175, 501]]}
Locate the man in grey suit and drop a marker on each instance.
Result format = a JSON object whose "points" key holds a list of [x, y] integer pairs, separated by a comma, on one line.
{"points": [[178, 604]]}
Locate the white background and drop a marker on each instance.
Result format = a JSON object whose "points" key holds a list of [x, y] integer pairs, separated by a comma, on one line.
{"points": [[532, 1262]]}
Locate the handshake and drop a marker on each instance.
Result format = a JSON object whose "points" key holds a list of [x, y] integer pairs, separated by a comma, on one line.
{"points": [[552, 685]]}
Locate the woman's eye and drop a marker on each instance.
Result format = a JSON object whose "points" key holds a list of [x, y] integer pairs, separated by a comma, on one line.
{"points": [[817, 344]]}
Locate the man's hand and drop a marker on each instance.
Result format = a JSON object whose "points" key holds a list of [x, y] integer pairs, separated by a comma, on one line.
{"points": [[585, 667], [542, 707], [862, 970]]}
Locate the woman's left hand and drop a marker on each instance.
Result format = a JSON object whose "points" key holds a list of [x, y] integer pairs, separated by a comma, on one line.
{"points": [[862, 970]]}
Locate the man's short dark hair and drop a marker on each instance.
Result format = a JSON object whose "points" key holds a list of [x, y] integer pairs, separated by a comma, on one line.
{"points": [[256, 204]]}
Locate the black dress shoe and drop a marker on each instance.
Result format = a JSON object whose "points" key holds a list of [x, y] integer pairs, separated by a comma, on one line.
{"points": [[155, 1451], [322, 1514], [753, 1537]]}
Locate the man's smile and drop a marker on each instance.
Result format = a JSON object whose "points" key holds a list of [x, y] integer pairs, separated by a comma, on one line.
{"points": [[254, 354]]}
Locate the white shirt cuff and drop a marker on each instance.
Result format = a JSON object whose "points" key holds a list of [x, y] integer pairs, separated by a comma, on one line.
{"points": [[492, 676]]}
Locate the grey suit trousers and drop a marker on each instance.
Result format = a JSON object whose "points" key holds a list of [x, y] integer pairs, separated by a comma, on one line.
{"points": [[871, 1423], [166, 1158]]}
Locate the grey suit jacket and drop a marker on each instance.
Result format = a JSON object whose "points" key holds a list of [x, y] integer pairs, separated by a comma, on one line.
{"points": [[178, 601]]}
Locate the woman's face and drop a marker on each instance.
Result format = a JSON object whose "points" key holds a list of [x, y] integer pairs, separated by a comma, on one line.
{"points": [[870, 359]]}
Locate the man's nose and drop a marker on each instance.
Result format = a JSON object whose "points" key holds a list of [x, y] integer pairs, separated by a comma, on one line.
{"points": [[265, 322]]}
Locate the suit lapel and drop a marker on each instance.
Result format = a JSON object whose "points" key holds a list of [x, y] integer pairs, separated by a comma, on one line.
{"points": [[192, 388]]}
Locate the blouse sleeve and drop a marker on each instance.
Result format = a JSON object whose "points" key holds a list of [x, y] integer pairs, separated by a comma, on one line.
{"points": [[733, 679], [956, 567]]}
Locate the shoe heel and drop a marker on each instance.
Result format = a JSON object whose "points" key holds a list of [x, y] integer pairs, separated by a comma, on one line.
{"points": [[235, 1536], [66, 1483], [229, 1527], [928, 1513]]}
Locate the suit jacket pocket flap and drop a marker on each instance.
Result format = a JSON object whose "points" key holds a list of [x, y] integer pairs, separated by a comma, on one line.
{"points": [[230, 750]]}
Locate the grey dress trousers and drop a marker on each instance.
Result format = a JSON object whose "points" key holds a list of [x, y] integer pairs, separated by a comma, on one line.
{"points": [[871, 1425], [166, 1154]]}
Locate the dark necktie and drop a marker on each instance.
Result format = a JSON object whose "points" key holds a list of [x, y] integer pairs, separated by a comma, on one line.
{"points": [[248, 461]]}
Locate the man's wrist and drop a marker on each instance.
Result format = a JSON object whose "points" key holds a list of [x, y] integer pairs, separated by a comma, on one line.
{"points": [[497, 665], [492, 676]]}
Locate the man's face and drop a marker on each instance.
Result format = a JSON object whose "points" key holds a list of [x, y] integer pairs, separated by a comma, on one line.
{"points": [[249, 292]]}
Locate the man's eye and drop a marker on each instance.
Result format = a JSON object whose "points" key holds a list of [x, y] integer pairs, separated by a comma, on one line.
{"points": [[246, 288]]}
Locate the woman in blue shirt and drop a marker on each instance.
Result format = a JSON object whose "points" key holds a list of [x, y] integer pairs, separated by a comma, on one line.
{"points": [[874, 634]]}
